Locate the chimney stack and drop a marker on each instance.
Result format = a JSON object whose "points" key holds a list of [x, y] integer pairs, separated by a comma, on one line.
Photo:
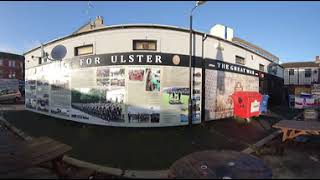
{"points": [[318, 59], [99, 21]]}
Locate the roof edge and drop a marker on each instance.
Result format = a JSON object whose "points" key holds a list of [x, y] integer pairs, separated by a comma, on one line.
{"points": [[122, 26]]}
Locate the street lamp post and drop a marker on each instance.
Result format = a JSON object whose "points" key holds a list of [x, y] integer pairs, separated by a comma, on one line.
{"points": [[198, 3]]}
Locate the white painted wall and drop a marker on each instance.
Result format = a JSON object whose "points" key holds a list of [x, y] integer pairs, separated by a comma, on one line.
{"points": [[168, 41], [301, 80]]}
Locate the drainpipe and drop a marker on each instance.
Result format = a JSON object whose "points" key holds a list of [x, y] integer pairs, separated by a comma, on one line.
{"points": [[203, 111]]}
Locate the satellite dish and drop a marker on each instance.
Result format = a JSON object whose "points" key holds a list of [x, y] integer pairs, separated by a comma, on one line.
{"points": [[58, 52]]}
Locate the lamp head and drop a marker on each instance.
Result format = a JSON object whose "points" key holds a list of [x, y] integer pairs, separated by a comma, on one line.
{"points": [[198, 3]]}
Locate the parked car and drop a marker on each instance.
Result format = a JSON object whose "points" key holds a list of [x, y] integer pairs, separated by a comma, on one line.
{"points": [[10, 95]]}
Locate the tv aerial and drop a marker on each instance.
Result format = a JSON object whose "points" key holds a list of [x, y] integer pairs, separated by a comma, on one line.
{"points": [[57, 54]]}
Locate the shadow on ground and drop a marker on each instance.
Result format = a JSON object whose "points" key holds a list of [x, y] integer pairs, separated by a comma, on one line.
{"points": [[299, 160], [141, 148]]}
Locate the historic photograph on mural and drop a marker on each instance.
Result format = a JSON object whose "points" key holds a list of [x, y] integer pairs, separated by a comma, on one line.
{"points": [[147, 114], [176, 99], [117, 77], [103, 76], [152, 79], [43, 90], [60, 96], [30, 91], [196, 96], [60, 102], [136, 74], [94, 102]]}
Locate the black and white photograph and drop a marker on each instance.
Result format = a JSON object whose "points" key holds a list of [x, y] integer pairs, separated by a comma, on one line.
{"points": [[60, 111], [117, 77], [148, 114], [94, 102], [103, 76]]}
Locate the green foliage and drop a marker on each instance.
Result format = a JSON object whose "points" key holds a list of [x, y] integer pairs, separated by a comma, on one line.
{"points": [[94, 95]]}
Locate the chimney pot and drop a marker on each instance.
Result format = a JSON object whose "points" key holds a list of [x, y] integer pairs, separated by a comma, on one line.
{"points": [[318, 59], [99, 20]]}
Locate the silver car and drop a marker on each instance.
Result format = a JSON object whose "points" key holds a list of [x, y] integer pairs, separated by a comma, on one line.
{"points": [[10, 95]]}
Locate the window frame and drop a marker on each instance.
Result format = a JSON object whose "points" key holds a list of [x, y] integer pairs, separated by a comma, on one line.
{"points": [[291, 70], [263, 66], [144, 40], [244, 60], [76, 53], [309, 74]]}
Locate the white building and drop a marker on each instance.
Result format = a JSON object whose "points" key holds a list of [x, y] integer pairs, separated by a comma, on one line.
{"points": [[299, 76], [151, 63]]}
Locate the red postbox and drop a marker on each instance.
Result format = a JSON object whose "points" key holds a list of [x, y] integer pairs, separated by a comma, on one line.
{"points": [[246, 104]]}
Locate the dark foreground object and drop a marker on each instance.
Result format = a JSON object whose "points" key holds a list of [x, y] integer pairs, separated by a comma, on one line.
{"points": [[292, 129], [220, 165], [17, 155]]}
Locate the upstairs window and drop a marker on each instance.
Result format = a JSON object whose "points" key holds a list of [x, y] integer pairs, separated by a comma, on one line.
{"points": [[261, 67], [150, 45], [291, 72], [240, 60], [307, 73], [83, 50]]}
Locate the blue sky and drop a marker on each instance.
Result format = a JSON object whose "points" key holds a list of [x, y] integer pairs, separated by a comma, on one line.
{"points": [[290, 30]]}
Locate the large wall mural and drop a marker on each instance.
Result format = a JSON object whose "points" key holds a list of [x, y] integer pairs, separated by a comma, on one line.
{"points": [[134, 89]]}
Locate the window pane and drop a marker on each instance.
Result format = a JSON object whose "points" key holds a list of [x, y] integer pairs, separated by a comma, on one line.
{"points": [[144, 45], [240, 60], [291, 72], [261, 67], [307, 73], [84, 50]]}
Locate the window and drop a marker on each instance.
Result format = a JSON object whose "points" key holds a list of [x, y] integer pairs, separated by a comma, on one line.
{"points": [[261, 67], [240, 60], [1, 62], [83, 50], [251, 57], [307, 73], [291, 72], [145, 45], [13, 63]]}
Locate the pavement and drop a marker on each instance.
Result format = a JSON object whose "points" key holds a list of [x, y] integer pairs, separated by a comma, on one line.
{"points": [[139, 148], [299, 160], [155, 149]]}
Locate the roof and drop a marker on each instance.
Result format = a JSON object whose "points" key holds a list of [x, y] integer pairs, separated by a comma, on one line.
{"points": [[127, 26], [254, 47], [11, 56], [300, 64], [89, 26]]}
